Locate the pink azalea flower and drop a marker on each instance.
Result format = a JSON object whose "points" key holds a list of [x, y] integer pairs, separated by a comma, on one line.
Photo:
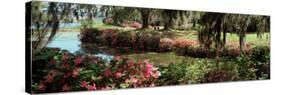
{"points": [[134, 80], [84, 84], [107, 72], [118, 75], [92, 87], [66, 65], [65, 87], [156, 74], [77, 61], [41, 86], [75, 72], [49, 78], [131, 80], [106, 88], [66, 75], [148, 69]]}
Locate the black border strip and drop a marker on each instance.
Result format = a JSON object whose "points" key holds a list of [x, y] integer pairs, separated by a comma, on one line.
{"points": [[28, 72]]}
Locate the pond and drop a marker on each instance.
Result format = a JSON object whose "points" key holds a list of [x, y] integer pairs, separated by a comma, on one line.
{"points": [[70, 41]]}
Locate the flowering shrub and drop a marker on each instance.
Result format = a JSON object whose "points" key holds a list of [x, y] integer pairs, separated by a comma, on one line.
{"points": [[125, 23], [124, 39], [166, 44], [183, 43], [91, 35], [148, 41], [108, 21], [67, 72], [108, 36], [136, 25]]}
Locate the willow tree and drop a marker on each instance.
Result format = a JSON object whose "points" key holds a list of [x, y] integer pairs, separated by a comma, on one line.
{"points": [[46, 17], [145, 14], [168, 16], [40, 24], [213, 31], [216, 25]]}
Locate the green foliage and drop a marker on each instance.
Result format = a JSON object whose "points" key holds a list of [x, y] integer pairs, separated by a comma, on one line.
{"points": [[185, 73], [261, 53]]}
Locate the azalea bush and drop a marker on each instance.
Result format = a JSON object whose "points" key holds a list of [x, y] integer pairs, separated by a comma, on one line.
{"points": [[166, 44], [136, 25], [108, 20], [108, 35], [63, 71], [90, 35], [125, 39], [148, 41]]}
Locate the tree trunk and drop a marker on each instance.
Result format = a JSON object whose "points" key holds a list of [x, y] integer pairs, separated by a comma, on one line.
{"points": [[145, 17], [242, 42]]}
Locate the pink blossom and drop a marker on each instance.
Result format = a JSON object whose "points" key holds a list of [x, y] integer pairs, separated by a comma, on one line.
{"points": [[49, 78], [118, 75], [156, 74], [75, 72], [148, 69], [107, 72], [92, 87], [77, 61], [134, 80], [65, 87], [84, 84], [66, 65], [67, 74], [41, 86]]}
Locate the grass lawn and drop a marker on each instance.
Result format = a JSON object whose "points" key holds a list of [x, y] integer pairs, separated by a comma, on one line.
{"points": [[160, 58], [251, 38]]}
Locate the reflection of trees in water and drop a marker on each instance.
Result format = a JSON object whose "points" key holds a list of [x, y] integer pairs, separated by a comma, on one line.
{"points": [[102, 49]]}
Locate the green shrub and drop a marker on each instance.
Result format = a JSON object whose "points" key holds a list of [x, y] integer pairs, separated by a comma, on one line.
{"points": [[124, 39], [185, 73], [261, 53], [226, 71], [250, 69], [148, 41], [196, 52]]}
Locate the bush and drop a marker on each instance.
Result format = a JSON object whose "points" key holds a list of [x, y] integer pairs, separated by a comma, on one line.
{"points": [[261, 53], [90, 35], [226, 71], [183, 43], [148, 41], [251, 69], [185, 72], [66, 72], [197, 52], [125, 23], [108, 36], [136, 25], [124, 39], [166, 44], [107, 20], [230, 52]]}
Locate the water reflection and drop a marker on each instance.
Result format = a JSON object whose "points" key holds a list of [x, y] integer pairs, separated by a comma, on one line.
{"points": [[70, 41]]}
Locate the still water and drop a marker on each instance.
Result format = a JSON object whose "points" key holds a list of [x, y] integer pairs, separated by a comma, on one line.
{"points": [[70, 41]]}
